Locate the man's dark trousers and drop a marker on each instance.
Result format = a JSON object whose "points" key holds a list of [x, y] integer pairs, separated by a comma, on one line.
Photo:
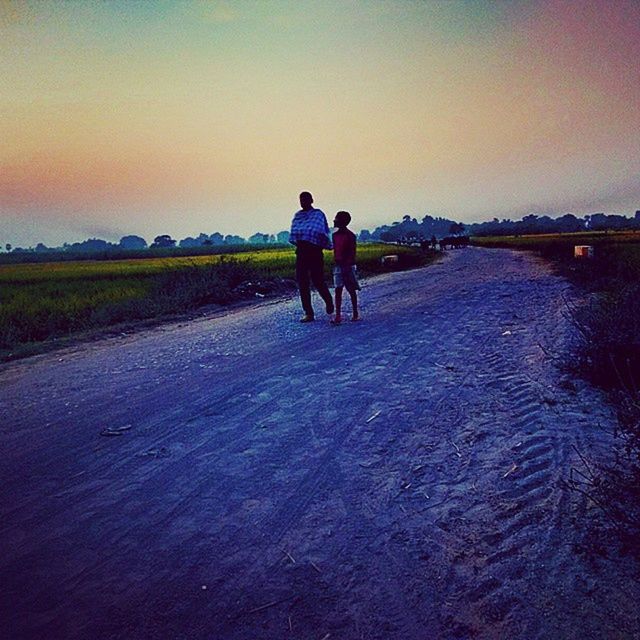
{"points": [[310, 267]]}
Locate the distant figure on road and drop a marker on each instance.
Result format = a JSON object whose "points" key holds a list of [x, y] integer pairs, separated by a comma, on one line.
{"points": [[344, 271], [310, 235]]}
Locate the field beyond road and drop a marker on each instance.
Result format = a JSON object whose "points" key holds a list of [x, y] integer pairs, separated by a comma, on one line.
{"points": [[250, 477], [47, 300]]}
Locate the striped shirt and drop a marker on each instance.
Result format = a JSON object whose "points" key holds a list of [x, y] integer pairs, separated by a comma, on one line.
{"points": [[310, 226]]}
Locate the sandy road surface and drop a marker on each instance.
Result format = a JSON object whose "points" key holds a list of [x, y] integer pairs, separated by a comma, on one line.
{"points": [[395, 478]]}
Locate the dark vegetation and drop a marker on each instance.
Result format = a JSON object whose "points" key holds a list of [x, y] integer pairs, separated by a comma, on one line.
{"points": [[410, 228], [406, 231], [608, 354], [533, 224], [41, 302]]}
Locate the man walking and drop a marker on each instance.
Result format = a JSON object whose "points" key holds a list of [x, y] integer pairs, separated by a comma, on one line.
{"points": [[310, 235]]}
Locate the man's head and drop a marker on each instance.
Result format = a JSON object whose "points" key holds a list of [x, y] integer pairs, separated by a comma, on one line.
{"points": [[306, 200], [342, 219]]}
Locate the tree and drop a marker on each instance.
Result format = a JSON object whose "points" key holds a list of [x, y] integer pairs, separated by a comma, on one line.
{"points": [[8, 245], [163, 242], [133, 242], [568, 223]]}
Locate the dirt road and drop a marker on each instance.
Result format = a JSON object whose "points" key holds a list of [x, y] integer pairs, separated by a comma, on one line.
{"points": [[248, 477]]}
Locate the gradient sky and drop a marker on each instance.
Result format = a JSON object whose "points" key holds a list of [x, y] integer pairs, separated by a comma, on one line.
{"points": [[187, 117]]}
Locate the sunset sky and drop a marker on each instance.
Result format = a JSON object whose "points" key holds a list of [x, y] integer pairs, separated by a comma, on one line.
{"points": [[187, 117]]}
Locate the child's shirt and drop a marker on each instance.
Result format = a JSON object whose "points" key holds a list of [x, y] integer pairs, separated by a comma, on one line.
{"points": [[344, 247]]}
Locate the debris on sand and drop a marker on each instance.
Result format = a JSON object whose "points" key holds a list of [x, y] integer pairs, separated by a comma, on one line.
{"points": [[286, 553], [265, 606], [373, 417], [162, 452], [457, 449], [316, 567], [115, 431], [506, 333], [513, 468], [447, 367], [273, 603]]}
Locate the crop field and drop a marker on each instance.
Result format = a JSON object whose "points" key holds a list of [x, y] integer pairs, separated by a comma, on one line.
{"points": [[617, 253], [560, 241], [40, 301], [579, 237]]}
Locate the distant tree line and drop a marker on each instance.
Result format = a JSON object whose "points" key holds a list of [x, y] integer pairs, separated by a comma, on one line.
{"points": [[568, 223], [165, 241], [411, 229], [408, 229]]}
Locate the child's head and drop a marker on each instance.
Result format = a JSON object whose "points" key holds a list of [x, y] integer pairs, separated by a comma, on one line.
{"points": [[342, 219]]}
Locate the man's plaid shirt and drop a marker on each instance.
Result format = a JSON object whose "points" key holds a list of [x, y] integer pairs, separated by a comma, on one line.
{"points": [[310, 226]]}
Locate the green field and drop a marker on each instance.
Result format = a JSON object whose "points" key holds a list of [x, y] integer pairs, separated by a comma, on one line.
{"points": [[566, 241], [617, 253], [40, 301]]}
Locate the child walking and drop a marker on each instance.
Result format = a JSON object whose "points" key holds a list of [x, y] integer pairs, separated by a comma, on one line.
{"points": [[344, 271]]}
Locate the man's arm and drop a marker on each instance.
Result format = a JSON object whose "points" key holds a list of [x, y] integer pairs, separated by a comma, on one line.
{"points": [[293, 234]]}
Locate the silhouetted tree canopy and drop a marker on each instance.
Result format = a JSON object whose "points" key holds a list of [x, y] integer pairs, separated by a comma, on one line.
{"points": [[132, 242], [163, 242]]}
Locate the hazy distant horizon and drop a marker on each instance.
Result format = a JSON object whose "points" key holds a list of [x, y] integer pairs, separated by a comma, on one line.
{"points": [[114, 237], [170, 117]]}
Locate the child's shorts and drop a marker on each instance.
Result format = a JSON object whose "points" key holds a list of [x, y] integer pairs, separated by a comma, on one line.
{"points": [[346, 277]]}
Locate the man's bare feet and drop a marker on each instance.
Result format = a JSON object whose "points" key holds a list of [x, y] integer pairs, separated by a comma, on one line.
{"points": [[336, 320], [307, 318]]}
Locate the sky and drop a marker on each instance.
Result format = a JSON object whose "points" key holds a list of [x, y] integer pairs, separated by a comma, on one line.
{"points": [[185, 117]]}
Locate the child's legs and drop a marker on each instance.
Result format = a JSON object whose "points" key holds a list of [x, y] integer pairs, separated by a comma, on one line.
{"points": [[338, 300], [354, 303]]}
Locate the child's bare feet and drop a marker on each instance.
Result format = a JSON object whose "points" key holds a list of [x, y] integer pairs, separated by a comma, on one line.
{"points": [[355, 317], [336, 320]]}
